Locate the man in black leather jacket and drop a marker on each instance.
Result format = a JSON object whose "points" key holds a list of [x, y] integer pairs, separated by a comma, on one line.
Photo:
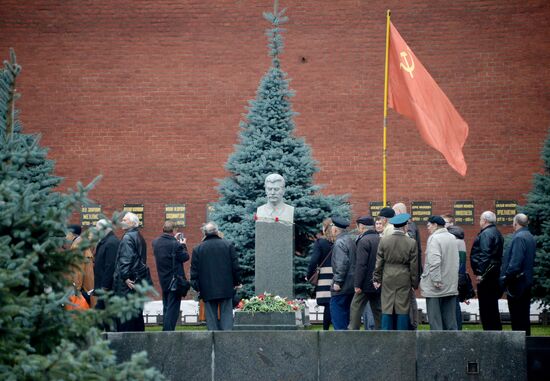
{"points": [[131, 268], [486, 259]]}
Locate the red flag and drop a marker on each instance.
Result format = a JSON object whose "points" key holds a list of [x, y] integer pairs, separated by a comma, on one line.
{"points": [[413, 93]]}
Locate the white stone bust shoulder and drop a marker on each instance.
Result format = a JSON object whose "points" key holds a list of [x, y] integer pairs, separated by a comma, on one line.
{"points": [[275, 209]]}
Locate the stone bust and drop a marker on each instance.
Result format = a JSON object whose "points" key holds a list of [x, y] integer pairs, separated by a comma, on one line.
{"points": [[275, 209]]}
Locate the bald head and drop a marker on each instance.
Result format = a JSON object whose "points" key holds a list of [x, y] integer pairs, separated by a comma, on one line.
{"points": [[520, 221], [399, 208]]}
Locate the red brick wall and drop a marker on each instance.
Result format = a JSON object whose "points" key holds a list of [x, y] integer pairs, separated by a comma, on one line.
{"points": [[150, 94]]}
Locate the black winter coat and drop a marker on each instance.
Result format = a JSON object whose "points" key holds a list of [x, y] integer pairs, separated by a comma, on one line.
{"points": [[367, 246], [214, 268], [104, 263], [163, 247], [487, 251], [131, 256]]}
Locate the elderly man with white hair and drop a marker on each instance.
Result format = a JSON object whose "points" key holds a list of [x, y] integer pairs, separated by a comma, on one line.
{"points": [[486, 260], [105, 258], [131, 267], [215, 275]]}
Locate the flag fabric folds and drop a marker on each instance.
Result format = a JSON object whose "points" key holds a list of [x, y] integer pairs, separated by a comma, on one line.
{"points": [[413, 93]]}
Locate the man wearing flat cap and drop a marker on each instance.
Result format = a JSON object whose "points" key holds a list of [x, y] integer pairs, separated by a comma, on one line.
{"points": [[343, 265], [396, 271], [439, 281], [385, 214], [366, 248]]}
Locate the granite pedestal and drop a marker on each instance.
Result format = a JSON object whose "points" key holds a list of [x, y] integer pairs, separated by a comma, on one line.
{"points": [[274, 258]]}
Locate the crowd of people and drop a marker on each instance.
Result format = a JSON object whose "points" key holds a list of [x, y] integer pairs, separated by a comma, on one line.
{"points": [[117, 266], [372, 273]]}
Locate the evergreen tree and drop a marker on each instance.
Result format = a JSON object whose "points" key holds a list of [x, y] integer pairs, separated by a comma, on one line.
{"points": [[538, 211], [39, 339], [267, 145]]}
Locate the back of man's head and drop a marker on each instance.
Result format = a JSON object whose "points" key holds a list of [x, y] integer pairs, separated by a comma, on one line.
{"points": [[210, 228], [521, 219], [168, 227], [400, 208]]}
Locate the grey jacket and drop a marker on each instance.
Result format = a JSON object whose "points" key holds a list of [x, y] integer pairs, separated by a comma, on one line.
{"points": [[441, 265], [343, 263]]}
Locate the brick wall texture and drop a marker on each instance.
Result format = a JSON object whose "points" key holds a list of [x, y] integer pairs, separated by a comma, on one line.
{"points": [[149, 94]]}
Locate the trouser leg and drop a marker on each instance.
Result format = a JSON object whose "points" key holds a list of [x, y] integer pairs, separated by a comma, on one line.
{"points": [[376, 308], [211, 312], [326, 316], [434, 314], [403, 322], [458, 316], [171, 310], [387, 322], [226, 314], [356, 310], [368, 317], [488, 295], [413, 310], [339, 311], [448, 313], [519, 312]]}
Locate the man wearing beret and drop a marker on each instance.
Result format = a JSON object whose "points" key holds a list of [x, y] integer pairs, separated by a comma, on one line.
{"points": [[343, 265], [414, 233], [366, 248], [439, 281], [396, 271]]}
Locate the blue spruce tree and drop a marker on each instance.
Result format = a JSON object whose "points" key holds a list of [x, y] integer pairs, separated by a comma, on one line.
{"points": [[39, 339], [538, 211], [268, 145]]}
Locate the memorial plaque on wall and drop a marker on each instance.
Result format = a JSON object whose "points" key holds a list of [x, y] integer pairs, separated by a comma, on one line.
{"points": [[421, 210], [209, 211], [464, 212], [505, 211], [176, 213], [137, 209], [89, 215], [375, 206]]}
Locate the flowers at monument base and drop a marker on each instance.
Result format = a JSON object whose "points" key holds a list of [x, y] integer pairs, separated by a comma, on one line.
{"points": [[267, 302]]}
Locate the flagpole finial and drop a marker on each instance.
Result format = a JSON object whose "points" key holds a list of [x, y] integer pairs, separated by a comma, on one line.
{"points": [[388, 12]]}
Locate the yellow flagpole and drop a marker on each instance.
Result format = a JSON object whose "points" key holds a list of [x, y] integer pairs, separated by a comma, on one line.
{"points": [[388, 14]]}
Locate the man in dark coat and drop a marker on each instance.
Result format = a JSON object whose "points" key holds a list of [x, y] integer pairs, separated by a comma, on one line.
{"points": [[105, 258], [170, 254], [486, 259], [367, 246], [343, 265], [516, 275], [131, 268], [214, 274]]}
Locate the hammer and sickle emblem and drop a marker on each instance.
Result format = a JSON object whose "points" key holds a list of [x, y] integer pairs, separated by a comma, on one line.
{"points": [[409, 68]]}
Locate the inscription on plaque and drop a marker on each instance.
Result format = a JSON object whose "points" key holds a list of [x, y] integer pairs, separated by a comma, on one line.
{"points": [[138, 210], [176, 213], [90, 214], [464, 212], [421, 210], [505, 211], [375, 206]]}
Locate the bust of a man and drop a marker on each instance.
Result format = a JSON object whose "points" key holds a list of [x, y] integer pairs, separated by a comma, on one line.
{"points": [[275, 209]]}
